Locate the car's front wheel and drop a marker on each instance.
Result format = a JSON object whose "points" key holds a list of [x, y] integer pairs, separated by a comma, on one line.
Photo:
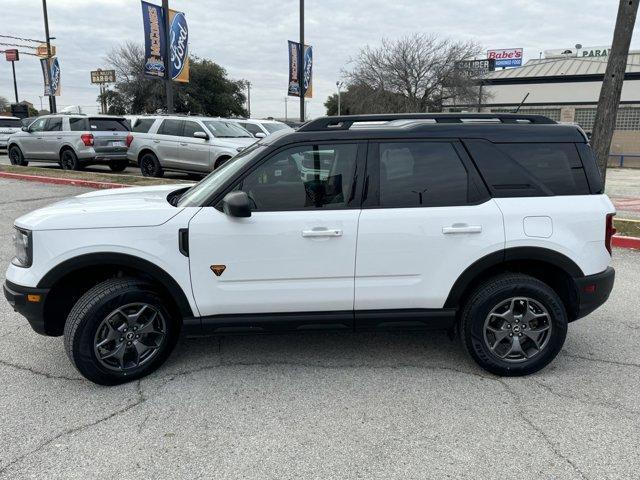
{"points": [[513, 325], [16, 157], [120, 330]]}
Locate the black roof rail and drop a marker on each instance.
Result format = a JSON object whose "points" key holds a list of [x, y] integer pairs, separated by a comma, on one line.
{"points": [[346, 121]]}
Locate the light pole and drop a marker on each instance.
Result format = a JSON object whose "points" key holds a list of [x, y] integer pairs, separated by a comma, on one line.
{"points": [[248, 83], [301, 63], [286, 115], [339, 85], [52, 98], [168, 81]]}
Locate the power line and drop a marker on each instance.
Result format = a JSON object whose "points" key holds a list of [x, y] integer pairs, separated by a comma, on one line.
{"points": [[22, 39], [17, 45]]}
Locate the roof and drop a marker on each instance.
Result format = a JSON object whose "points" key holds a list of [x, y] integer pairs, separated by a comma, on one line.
{"points": [[558, 67]]}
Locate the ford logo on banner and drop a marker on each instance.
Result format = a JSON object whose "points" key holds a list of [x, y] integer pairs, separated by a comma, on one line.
{"points": [[308, 67], [54, 86], [179, 35]]}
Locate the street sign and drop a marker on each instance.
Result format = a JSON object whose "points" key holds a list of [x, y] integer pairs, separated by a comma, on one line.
{"points": [[41, 50], [476, 68], [100, 77], [12, 55], [506, 57]]}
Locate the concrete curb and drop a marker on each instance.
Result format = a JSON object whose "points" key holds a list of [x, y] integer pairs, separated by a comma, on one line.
{"points": [[625, 242], [62, 181]]}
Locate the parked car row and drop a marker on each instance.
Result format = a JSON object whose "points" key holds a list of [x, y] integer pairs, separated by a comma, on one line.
{"points": [[195, 145]]}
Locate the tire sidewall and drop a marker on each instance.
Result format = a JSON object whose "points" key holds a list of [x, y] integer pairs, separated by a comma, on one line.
{"points": [[83, 342], [149, 158], [478, 311], [75, 165], [19, 161]]}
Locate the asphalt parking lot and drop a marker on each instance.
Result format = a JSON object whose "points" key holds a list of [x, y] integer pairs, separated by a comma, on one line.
{"points": [[323, 405]]}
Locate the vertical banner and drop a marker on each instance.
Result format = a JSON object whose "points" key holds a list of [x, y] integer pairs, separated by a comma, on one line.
{"points": [[155, 49], [46, 75], [294, 82], [54, 85], [179, 46]]}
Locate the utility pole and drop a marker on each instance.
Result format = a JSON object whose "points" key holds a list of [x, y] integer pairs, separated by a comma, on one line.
{"points": [[249, 98], [301, 63], [286, 114], [612, 85], [15, 84], [52, 98], [339, 85], [168, 81]]}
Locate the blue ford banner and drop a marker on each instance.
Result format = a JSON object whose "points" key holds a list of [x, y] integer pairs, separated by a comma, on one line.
{"points": [[307, 82], [155, 49], [179, 40], [54, 86]]}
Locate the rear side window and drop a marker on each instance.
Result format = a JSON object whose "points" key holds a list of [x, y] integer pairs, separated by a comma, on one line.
{"points": [[421, 174], [108, 125], [77, 124], [142, 125], [54, 124], [530, 169], [170, 127]]}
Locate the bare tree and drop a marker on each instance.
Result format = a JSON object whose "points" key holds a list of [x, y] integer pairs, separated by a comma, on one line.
{"points": [[4, 104], [413, 74]]}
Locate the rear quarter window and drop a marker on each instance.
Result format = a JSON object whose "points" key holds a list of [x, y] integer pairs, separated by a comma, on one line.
{"points": [[142, 125], [10, 123], [529, 169], [78, 124]]}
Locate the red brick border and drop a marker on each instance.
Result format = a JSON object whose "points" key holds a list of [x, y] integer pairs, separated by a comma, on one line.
{"points": [[62, 181]]}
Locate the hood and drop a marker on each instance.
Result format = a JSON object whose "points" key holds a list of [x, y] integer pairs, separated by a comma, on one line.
{"points": [[234, 142], [120, 207]]}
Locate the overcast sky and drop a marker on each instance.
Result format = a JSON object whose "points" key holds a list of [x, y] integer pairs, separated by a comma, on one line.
{"points": [[249, 38]]}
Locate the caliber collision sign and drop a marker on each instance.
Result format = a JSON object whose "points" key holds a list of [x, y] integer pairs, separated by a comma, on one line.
{"points": [[506, 57]]}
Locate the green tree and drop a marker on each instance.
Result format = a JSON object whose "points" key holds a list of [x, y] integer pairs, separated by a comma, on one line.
{"points": [[4, 104], [209, 92]]}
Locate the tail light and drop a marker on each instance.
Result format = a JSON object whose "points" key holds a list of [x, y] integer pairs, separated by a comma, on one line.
{"points": [[128, 140], [87, 139], [609, 232]]}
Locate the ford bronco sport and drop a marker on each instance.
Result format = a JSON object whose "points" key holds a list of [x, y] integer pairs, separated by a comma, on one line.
{"points": [[494, 227]]}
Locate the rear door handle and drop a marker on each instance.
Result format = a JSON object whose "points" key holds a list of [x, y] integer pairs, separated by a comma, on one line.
{"points": [[322, 232], [461, 228], [59, 138], [184, 144]]}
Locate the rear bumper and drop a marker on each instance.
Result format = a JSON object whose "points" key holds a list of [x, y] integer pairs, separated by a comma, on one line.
{"points": [[23, 301], [593, 291]]}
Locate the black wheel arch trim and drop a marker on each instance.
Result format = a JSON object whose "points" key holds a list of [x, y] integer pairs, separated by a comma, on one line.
{"points": [[540, 254], [120, 260]]}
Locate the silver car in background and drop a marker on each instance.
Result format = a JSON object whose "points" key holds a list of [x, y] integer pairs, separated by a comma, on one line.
{"points": [[8, 126], [73, 141], [261, 128], [189, 144]]}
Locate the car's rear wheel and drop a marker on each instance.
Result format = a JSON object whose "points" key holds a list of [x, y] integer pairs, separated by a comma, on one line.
{"points": [[118, 166], [120, 330], [16, 157], [513, 325], [150, 166], [69, 160]]}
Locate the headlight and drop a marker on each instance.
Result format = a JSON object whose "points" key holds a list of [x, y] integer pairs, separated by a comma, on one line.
{"points": [[23, 247]]}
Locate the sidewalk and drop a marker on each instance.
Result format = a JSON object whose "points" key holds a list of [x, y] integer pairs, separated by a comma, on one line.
{"points": [[623, 186]]}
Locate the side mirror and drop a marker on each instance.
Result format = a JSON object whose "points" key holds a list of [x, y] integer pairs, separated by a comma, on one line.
{"points": [[236, 204], [25, 129], [260, 135], [201, 135]]}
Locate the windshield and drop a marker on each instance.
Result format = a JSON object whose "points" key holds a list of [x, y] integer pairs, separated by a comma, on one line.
{"points": [[10, 122], [222, 129], [198, 194], [274, 127]]}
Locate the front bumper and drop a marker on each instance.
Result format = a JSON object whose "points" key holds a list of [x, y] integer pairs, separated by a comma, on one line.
{"points": [[28, 302], [593, 291]]}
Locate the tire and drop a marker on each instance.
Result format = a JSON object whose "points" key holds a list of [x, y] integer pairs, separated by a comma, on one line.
{"points": [[509, 314], [150, 166], [16, 157], [118, 166], [69, 160], [221, 161], [86, 329]]}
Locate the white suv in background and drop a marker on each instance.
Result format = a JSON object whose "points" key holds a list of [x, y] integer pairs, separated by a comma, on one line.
{"points": [[8, 126], [196, 145], [497, 230], [261, 128], [73, 141]]}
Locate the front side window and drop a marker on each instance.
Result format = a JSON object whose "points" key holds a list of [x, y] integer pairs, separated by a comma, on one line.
{"points": [[274, 127], [421, 174], [303, 178], [171, 127], [190, 128], [54, 124], [253, 129], [38, 125]]}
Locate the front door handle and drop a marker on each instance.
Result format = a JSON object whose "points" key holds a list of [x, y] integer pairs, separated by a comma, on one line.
{"points": [[322, 232], [156, 141], [461, 228]]}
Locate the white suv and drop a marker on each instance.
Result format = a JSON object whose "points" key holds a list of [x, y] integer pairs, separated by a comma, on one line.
{"points": [[195, 145], [8, 126], [496, 230]]}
